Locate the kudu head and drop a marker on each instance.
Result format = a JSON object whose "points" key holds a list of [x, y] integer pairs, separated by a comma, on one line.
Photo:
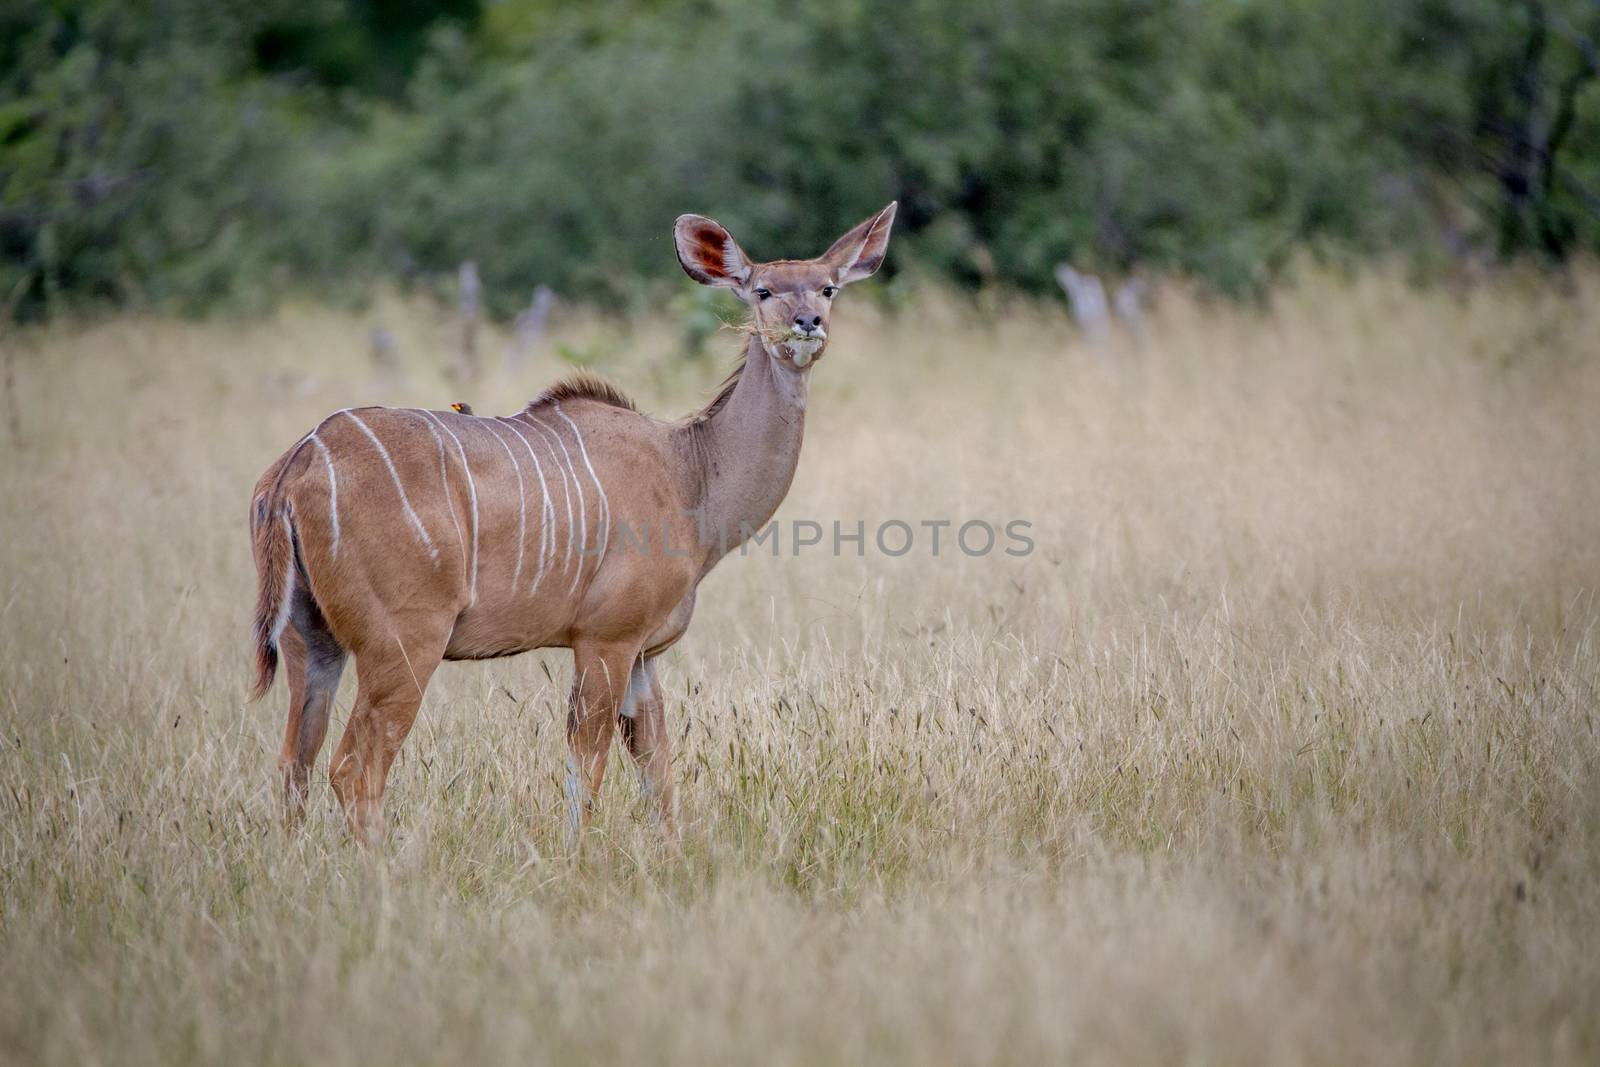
{"points": [[789, 298]]}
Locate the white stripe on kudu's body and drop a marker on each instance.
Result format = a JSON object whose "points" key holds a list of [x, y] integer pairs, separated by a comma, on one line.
{"points": [[444, 480], [569, 475], [522, 503], [566, 489], [547, 510], [333, 494], [405, 502], [703, 482], [604, 517], [581, 534], [472, 493]]}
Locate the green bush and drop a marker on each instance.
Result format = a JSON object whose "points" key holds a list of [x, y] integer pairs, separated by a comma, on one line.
{"points": [[186, 152]]}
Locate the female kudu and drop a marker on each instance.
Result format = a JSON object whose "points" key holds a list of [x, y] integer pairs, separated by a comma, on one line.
{"points": [[405, 537]]}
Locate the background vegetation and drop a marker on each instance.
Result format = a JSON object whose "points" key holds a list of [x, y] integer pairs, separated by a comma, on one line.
{"points": [[184, 152]]}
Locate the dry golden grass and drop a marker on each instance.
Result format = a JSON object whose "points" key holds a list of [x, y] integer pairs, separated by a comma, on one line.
{"points": [[1280, 748]]}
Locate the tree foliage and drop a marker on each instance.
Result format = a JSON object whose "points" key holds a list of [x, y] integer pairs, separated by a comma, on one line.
{"points": [[183, 151]]}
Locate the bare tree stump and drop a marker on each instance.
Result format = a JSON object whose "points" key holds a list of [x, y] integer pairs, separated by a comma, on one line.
{"points": [[530, 327], [1086, 297], [8, 340], [385, 356], [1129, 304], [470, 295], [13, 409]]}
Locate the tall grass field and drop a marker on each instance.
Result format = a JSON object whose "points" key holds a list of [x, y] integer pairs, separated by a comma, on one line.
{"points": [[1278, 747]]}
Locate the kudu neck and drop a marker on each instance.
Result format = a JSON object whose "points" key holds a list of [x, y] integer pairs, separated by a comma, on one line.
{"points": [[748, 450]]}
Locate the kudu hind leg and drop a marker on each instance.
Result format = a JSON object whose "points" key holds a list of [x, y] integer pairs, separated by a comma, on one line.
{"points": [[390, 683], [314, 662], [643, 722]]}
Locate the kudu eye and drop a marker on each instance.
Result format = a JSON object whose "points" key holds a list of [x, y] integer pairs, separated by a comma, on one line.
{"points": [[762, 294]]}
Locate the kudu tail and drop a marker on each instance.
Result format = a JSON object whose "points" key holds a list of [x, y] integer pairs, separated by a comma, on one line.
{"points": [[272, 543]]}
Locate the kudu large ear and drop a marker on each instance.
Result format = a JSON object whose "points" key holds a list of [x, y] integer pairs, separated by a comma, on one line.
{"points": [[709, 254], [859, 253]]}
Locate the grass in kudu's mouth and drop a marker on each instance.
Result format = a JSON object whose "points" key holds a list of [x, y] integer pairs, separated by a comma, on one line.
{"points": [[1281, 741]]}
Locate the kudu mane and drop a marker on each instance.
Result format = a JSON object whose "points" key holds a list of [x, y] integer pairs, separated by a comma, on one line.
{"points": [[724, 392], [586, 386]]}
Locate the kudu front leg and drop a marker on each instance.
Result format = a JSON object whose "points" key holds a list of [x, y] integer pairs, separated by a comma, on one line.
{"points": [[643, 722], [599, 685]]}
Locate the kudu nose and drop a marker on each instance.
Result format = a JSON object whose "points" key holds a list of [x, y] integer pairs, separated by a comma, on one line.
{"points": [[807, 323]]}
